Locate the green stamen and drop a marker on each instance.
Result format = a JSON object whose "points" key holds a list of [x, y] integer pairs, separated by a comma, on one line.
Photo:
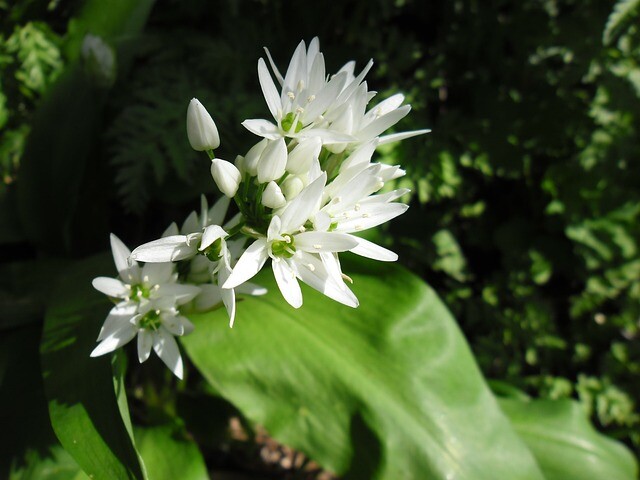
{"points": [[287, 123], [150, 321], [284, 248]]}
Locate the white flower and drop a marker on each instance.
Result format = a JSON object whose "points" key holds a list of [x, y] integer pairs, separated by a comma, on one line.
{"points": [[294, 250], [148, 308], [305, 95], [226, 176], [201, 129]]}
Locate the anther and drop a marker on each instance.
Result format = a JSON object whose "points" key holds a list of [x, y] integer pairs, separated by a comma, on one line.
{"points": [[311, 267], [311, 98], [291, 95], [302, 229], [365, 215], [317, 246], [347, 278], [358, 227], [357, 207], [299, 110]]}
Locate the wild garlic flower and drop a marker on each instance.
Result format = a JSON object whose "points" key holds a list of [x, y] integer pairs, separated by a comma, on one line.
{"points": [[303, 193], [147, 301]]}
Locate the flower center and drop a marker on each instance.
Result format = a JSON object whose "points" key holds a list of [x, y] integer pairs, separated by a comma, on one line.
{"points": [[139, 291], [288, 120], [284, 248], [212, 252], [150, 321]]}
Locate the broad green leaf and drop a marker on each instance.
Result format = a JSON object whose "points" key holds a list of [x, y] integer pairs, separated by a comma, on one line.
{"points": [[565, 444], [169, 455], [86, 411], [388, 390]]}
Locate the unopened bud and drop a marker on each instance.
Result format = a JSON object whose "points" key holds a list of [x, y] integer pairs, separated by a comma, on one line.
{"points": [[272, 196], [226, 176], [301, 157], [201, 129], [252, 158], [273, 161], [291, 187]]}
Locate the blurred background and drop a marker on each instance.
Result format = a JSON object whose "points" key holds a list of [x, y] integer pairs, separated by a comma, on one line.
{"points": [[525, 197]]}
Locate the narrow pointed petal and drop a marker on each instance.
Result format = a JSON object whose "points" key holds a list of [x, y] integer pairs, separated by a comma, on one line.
{"points": [[379, 125], [167, 249], [269, 89], [250, 263], [172, 323], [386, 197], [111, 287], [326, 96], [171, 230], [228, 295], [115, 340], [301, 156], [145, 343], [384, 107], [324, 242], [166, 348], [191, 224], [368, 249], [287, 282], [327, 136], [276, 72], [216, 214], [303, 206], [120, 255], [370, 216], [312, 272], [396, 137], [297, 71], [262, 128], [118, 317], [317, 73], [361, 157]]}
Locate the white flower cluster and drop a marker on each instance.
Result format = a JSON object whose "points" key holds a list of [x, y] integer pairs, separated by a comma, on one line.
{"points": [[302, 193]]}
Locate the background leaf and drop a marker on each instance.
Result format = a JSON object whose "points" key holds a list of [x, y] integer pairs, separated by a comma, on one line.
{"points": [[565, 444], [86, 411], [169, 454], [394, 376]]}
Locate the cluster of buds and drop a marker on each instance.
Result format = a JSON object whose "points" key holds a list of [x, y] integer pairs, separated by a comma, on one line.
{"points": [[303, 193]]}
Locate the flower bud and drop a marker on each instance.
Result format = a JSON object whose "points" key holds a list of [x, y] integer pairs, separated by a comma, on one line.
{"points": [[239, 163], [291, 187], [301, 157], [272, 196], [201, 129], [252, 157], [226, 176], [273, 161]]}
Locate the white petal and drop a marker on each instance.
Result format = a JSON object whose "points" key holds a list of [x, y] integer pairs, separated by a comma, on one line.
{"points": [[115, 340], [327, 136], [217, 213], [155, 273], [303, 206], [250, 263], [384, 107], [166, 348], [269, 89], [248, 288], [368, 249], [379, 125], [386, 197], [226, 176], [326, 96], [317, 73], [120, 255], [191, 224], [111, 287], [275, 226], [145, 342], [209, 297], [297, 71], [171, 230], [179, 293], [274, 68], [228, 296], [167, 249], [272, 197], [370, 216], [324, 242], [361, 156], [187, 326], [287, 282], [173, 323], [301, 156], [262, 128], [396, 137], [210, 235], [118, 317], [312, 272]]}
